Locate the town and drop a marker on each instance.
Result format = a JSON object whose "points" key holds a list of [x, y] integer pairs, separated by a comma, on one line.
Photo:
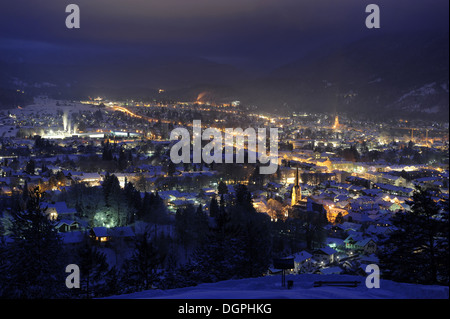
{"points": [[103, 175]]}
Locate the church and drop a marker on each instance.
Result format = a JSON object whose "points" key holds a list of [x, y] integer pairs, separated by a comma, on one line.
{"points": [[296, 197], [296, 190]]}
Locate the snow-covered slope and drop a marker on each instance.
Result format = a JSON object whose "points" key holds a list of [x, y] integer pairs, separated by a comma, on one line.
{"points": [[270, 288]]}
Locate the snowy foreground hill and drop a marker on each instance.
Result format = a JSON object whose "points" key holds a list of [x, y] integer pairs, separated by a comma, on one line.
{"points": [[303, 288]]}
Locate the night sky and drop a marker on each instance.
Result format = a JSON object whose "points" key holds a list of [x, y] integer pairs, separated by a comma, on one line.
{"points": [[246, 33]]}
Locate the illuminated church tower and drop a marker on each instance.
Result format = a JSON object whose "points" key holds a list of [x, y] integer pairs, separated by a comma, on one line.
{"points": [[336, 122], [296, 191]]}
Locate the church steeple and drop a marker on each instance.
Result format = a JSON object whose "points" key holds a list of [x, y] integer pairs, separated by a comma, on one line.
{"points": [[336, 122], [296, 190]]}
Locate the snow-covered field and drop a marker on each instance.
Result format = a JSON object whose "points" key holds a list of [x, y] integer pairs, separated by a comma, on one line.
{"points": [[270, 288], [44, 106]]}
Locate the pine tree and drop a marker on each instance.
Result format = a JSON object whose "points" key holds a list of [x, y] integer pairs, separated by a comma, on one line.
{"points": [[442, 242], [114, 199], [184, 227], [252, 232], [219, 258], [133, 200], [25, 192], [159, 210], [257, 245], [171, 169], [30, 167], [153, 211], [36, 257], [93, 267], [222, 188], [313, 227], [201, 224], [107, 152], [339, 219], [417, 250], [140, 271], [213, 207], [239, 243], [123, 160], [4, 265], [112, 284]]}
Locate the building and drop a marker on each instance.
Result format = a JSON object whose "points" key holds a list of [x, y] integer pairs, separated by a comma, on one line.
{"points": [[296, 191], [325, 255], [302, 261], [59, 210], [100, 234], [336, 123], [365, 246], [64, 226]]}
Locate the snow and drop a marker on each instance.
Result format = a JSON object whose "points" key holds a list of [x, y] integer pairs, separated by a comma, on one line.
{"points": [[302, 256], [327, 250], [377, 80], [45, 106], [432, 110], [269, 287], [422, 91], [331, 270]]}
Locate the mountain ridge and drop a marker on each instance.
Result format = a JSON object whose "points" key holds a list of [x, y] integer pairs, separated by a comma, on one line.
{"points": [[379, 75]]}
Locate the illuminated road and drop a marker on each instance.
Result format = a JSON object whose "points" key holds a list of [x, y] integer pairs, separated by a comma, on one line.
{"points": [[127, 111]]}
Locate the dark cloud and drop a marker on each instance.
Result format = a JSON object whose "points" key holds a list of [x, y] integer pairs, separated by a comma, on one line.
{"points": [[243, 31]]}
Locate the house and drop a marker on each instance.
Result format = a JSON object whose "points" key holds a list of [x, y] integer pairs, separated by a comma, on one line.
{"points": [[302, 260], [324, 255], [336, 231], [341, 198], [358, 217], [351, 240], [392, 180], [104, 234], [93, 179], [379, 231], [365, 246], [100, 234], [65, 225], [335, 243], [176, 204], [208, 192], [395, 190], [349, 226], [59, 210], [274, 271], [393, 207]]}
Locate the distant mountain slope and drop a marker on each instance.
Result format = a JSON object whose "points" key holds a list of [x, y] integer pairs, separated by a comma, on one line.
{"points": [[303, 288], [383, 75], [380, 74], [127, 78]]}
